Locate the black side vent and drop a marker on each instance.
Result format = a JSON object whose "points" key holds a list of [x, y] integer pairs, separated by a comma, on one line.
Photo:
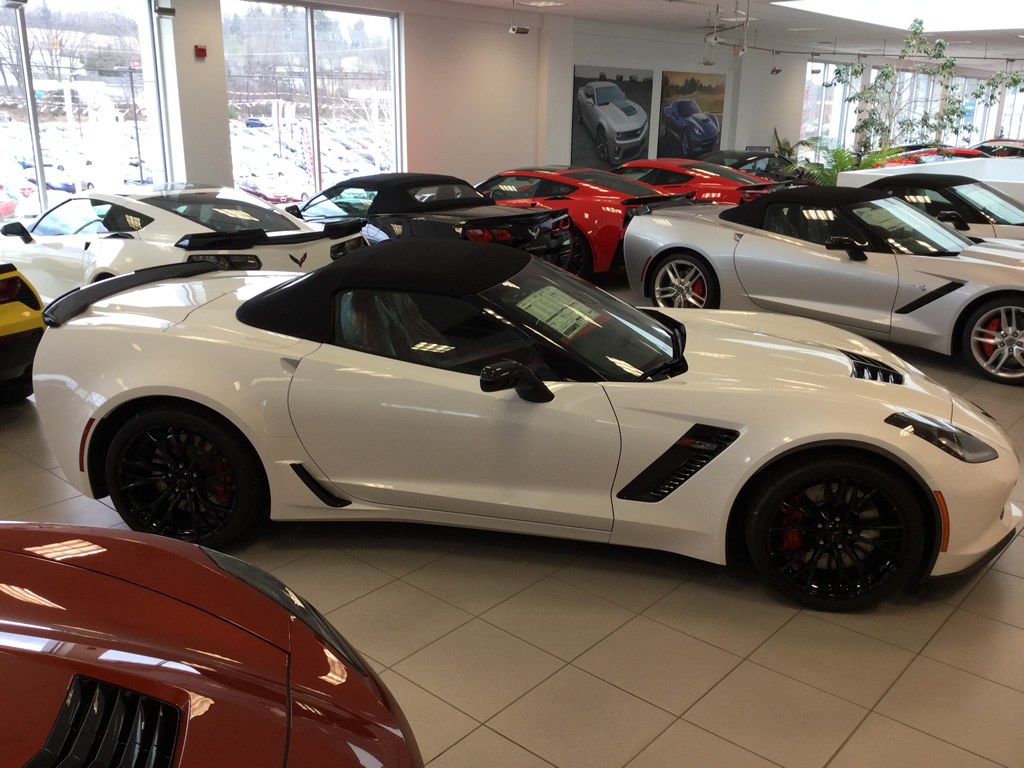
{"points": [[105, 726], [690, 454], [873, 370]]}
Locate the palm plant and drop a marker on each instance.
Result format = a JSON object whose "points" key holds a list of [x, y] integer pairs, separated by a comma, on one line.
{"points": [[831, 159]]}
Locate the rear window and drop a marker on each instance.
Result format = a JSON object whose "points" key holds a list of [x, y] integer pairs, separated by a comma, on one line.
{"points": [[223, 212], [441, 192], [611, 181]]}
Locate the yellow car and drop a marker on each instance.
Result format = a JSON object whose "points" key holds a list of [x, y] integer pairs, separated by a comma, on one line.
{"points": [[21, 327]]}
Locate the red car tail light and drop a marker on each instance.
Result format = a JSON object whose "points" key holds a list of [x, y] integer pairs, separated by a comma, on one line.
{"points": [[560, 225], [487, 235], [9, 289]]}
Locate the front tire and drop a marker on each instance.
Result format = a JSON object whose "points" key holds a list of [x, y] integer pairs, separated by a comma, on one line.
{"points": [[993, 339], [835, 533], [684, 281], [685, 143], [602, 143], [186, 473]]}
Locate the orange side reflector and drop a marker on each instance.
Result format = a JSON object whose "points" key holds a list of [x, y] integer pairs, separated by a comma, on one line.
{"points": [[945, 521], [81, 446]]}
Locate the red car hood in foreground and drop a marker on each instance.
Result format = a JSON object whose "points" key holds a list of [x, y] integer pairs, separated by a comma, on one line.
{"points": [[217, 672]]}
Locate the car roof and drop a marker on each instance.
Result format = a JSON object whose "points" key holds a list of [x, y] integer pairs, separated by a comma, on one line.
{"points": [[392, 191], [752, 214], [737, 154], [304, 307], [926, 180], [161, 190]]}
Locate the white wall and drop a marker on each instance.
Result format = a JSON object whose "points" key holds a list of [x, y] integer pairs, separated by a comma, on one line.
{"points": [[768, 101]]}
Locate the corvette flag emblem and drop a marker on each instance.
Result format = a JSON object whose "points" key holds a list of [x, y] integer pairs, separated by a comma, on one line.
{"points": [[298, 262]]}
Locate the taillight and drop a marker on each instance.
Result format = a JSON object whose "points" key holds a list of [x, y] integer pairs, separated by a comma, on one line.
{"points": [[9, 290], [746, 197], [560, 225], [487, 235]]}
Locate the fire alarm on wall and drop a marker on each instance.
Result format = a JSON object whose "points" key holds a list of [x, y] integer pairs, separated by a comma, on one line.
{"points": [[200, 51]]}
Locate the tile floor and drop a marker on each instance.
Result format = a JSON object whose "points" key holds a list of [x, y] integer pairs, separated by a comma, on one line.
{"points": [[519, 652]]}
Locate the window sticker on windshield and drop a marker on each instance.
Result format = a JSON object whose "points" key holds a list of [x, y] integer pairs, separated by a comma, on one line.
{"points": [[559, 311]]}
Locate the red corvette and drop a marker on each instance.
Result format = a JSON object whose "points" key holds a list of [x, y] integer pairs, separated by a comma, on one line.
{"points": [[600, 205], [708, 181], [124, 649], [933, 155]]}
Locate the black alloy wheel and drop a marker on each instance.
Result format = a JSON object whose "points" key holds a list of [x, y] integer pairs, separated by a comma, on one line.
{"points": [[185, 474], [835, 533], [685, 144], [602, 143], [581, 262]]}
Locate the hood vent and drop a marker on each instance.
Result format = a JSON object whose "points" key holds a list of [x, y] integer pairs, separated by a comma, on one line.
{"points": [[873, 370], [105, 725], [690, 454]]}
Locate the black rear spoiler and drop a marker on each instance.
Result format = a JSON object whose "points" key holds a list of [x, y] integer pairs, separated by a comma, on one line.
{"points": [[77, 300], [664, 200], [249, 238]]}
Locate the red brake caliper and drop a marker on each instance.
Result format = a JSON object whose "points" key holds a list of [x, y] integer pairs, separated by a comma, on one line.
{"points": [[222, 476], [792, 539], [698, 287], [991, 325]]}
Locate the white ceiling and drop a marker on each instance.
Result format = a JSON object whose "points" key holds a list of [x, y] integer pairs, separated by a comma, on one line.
{"points": [[784, 28]]}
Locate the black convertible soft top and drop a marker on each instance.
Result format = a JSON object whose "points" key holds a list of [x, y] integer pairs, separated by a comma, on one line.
{"points": [[304, 307], [752, 214], [393, 192], [934, 181]]}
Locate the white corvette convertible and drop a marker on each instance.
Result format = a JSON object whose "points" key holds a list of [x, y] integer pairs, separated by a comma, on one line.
{"points": [[465, 384], [93, 236]]}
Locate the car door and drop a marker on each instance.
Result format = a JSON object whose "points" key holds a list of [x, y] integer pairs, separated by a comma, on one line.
{"points": [[53, 261], [393, 414], [785, 267]]}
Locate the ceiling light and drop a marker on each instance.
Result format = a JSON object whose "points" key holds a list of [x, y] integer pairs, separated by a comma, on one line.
{"points": [[942, 15], [804, 29], [541, 3]]}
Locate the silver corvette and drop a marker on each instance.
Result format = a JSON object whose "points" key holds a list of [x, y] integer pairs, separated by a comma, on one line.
{"points": [[851, 257]]}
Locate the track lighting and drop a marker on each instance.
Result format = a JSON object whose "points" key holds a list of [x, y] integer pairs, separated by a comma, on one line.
{"points": [[515, 29]]}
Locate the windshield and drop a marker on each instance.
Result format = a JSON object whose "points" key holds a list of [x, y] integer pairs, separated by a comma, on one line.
{"points": [[612, 181], [347, 201], [688, 107], [222, 211], [906, 229], [613, 338], [995, 206], [606, 94]]}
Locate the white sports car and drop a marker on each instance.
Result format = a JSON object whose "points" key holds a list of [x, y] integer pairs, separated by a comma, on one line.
{"points": [[94, 236], [467, 384], [851, 257]]}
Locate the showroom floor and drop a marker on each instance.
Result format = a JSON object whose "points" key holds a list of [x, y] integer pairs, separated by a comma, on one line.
{"points": [[516, 651]]}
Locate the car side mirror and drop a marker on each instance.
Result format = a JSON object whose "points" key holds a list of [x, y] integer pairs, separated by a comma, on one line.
{"points": [[841, 243], [508, 374], [16, 229], [293, 209], [954, 218]]}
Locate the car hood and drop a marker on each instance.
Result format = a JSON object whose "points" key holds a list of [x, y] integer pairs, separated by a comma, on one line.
{"points": [[1000, 252], [703, 124], [763, 352], [624, 115]]}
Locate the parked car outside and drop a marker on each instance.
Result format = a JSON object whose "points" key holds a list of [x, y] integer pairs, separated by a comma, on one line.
{"points": [[467, 384]]}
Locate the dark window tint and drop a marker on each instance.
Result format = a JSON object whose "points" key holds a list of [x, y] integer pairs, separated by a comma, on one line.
{"points": [[512, 187], [426, 329], [610, 181], [670, 177], [73, 216], [347, 201], [439, 192], [224, 211], [807, 222], [549, 188]]}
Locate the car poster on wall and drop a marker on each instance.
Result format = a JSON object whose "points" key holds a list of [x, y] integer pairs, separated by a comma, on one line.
{"points": [[610, 115], [690, 123]]}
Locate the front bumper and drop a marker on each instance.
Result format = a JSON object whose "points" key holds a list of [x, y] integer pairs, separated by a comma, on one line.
{"points": [[987, 558]]}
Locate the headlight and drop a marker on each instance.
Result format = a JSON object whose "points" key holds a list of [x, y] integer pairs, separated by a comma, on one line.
{"points": [[230, 261], [277, 591], [945, 437]]}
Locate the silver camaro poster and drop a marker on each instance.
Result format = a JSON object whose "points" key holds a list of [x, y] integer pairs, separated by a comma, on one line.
{"points": [[611, 120]]}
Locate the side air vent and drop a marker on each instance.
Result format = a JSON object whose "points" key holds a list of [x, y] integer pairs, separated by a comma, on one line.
{"points": [[26, 297], [104, 726], [690, 454], [873, 370]]}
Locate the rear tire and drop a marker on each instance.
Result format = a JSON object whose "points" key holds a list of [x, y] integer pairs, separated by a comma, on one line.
{"points": [[18, 388], [834, 533], [186, 473], [581, 263]]}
